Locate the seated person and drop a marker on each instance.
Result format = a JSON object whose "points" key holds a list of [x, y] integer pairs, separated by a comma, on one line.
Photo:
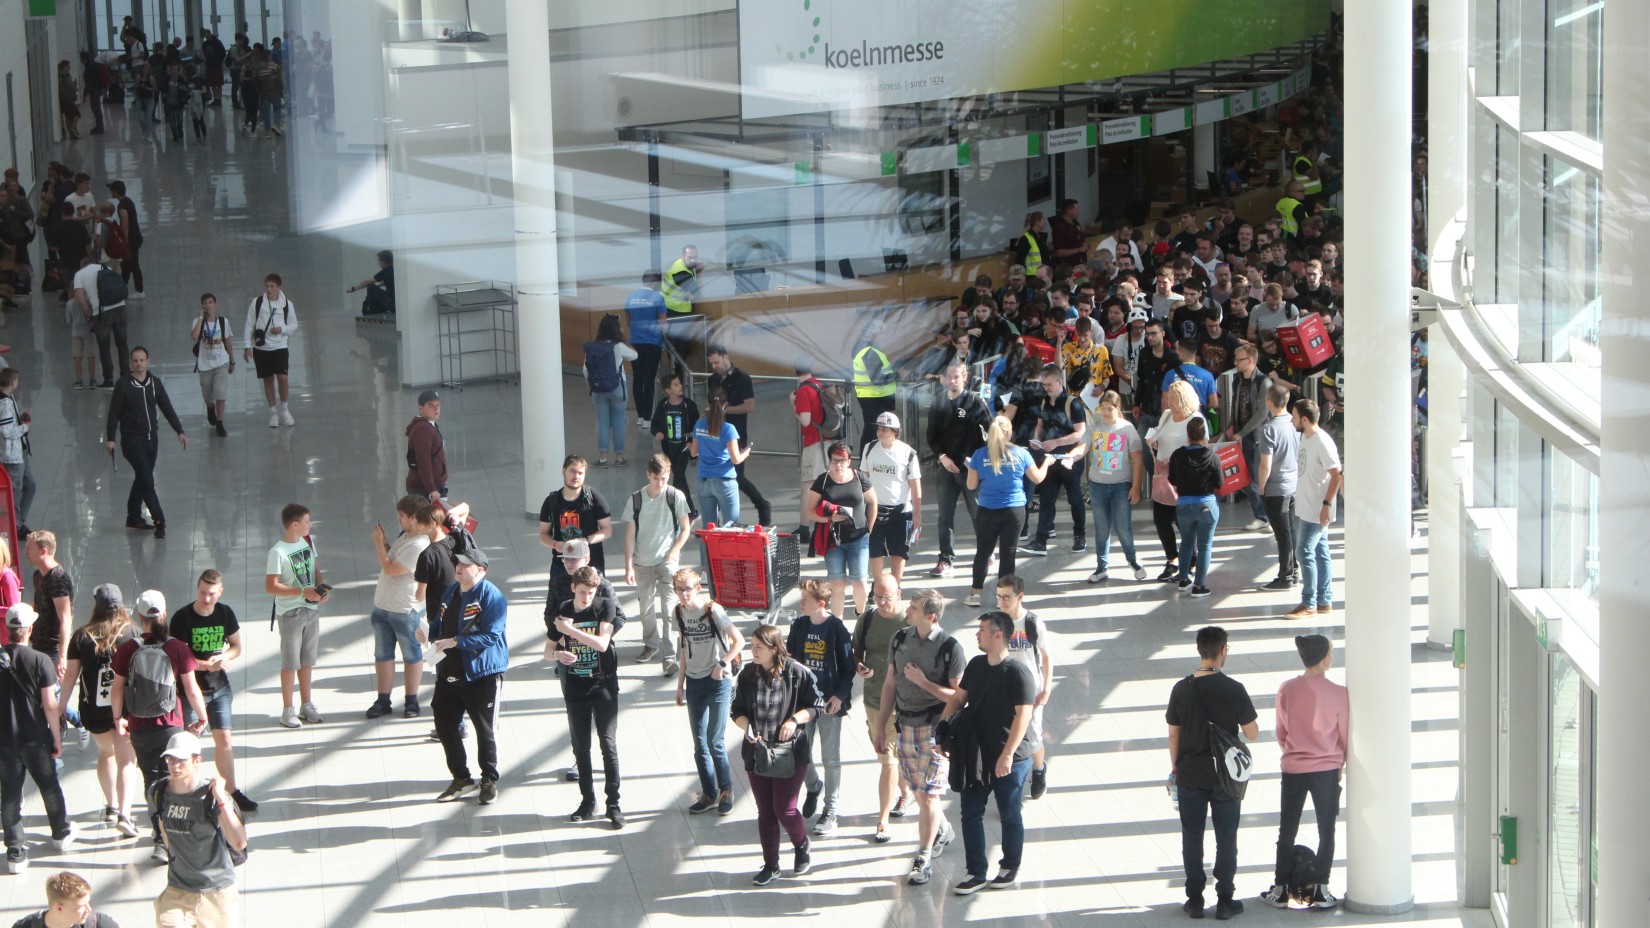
{"points": [[380, 287]]}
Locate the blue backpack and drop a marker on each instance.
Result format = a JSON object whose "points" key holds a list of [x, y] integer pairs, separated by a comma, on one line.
{"points": [[601, 367]]}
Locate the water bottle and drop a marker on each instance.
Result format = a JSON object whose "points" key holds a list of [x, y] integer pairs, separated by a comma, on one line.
{"points": [[1174, 790]]}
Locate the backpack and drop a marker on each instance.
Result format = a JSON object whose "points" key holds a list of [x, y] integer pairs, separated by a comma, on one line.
{"points": [[722, 643], [601, 367], [671, 496], [114, 241], [111, 289], [901, 636], [151, 683], [838, 418], [1303, 874]]}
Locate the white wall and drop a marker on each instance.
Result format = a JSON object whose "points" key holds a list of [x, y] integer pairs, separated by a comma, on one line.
{"points": [[14, 61]]}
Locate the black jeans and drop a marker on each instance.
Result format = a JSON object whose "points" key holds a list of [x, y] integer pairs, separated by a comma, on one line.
{"points": [[1196, 807], [1280, 514], [1048, 499], [141, 454], [479, 699], [646, 376], [132, 273], [870, 407], [1164, 517], [681, 465], [999, 529], [35, 760], [952, 488], [764, 511], [601, 712], [1325, 789], [112, 324], [148, 744]]}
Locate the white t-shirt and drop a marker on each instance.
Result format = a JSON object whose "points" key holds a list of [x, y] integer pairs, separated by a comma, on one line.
{"points": [[1021, 648], [398, 594], [86, 279], [214, 336], [892, 470], [82, 201], [1317, 458], [293, 564], [1125, 356], [269, 315]]}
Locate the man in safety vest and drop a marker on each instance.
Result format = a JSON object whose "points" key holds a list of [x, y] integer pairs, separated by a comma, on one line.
{"points": [[1291, 210], [681, 284], [1305, 169], [874, 377]]}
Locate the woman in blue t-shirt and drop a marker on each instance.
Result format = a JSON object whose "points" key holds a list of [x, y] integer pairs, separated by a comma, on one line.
{"points": [[997, 472], [716, 442]]}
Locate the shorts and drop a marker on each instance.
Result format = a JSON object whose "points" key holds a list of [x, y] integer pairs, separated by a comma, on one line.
{"points": [[84, 346], [891, 537], [1034, 731], [220, 709], [99, 720], [890, 737], [269, 362], [215, 384], [177, 907], [391, 627], [811, 463], [924, 770], [849, 561], [300, 637]]}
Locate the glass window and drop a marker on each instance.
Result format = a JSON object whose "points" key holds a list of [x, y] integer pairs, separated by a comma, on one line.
{"points": [[1571, 282], [1575, 66], [1572, 536], [1567, 863], [1505, 284]]}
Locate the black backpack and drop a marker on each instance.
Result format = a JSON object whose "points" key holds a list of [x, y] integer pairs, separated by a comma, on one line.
{"points": [[111, 289], [601, 367]]}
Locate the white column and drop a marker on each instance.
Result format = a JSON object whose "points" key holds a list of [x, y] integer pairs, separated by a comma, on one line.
{"points": [[1203, 155], [1377, 502], [533, 177], [1624, 496]]}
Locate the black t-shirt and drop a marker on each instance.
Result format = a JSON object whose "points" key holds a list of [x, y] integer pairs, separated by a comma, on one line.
{"points": [[576, 518], [1228, 705], [1217, 354], [1059, 417], [47, 628], [850, 496], [739, 388], [134, 235], [993, 694], [97, 675], [675, 421], [1187, 321], [71, 241], [386, 278], [207, 635], [22, 717], [1148, 378], [593, 670], [435, 570]]}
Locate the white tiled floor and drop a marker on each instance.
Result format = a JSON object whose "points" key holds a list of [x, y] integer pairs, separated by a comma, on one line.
{"points": [[348, 834]]}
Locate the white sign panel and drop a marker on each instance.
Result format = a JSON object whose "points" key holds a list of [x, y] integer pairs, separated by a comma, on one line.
{"points": [[1060, 140], [1125, 130]]}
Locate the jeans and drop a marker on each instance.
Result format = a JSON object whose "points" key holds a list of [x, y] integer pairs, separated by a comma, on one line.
{"points": [[599, 713], [999, 529], [1048, 498], [480, 700], [829, 744], [1196, 807], [35, 760], [1008, 791], [849, 561], [107, 324], [1312, 548], [645, 371], [719, 500], [141, 454], [392, 628], [22, 489], [174, 122], [1325, 789], [610, 424], [708, 703], [132, 273], [1280, 513], [775, 809], [1197, 533], [653, 587], [1257, 502], [952, 488], [1112, 513], [270, 107], [148, 744]]}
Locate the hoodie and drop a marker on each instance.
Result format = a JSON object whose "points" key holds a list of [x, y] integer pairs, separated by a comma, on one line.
{"points": [[265, 314], [133, 409], [426, 458], [1195, 472]]}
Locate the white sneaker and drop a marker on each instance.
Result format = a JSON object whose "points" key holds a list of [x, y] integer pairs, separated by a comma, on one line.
{"points": [[274, 419], [641, 423], [1139, 573], [135, 295], [1099, 576], [160, 855], [286, 416], [310, 714], [289, 718], [1256, 525], [648, 653], [65, 841], [972, 600]]}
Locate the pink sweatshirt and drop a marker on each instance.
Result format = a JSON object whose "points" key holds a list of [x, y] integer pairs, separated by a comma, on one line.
{"points": [[1312, 716]]}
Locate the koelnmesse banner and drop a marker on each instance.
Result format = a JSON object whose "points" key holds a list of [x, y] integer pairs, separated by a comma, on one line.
{"points": [[800, 56]]}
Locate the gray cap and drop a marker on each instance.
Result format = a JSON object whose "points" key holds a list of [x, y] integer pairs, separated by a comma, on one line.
{"points": [[471, 556], [428, 396], [108, 596], [1313, 649]]}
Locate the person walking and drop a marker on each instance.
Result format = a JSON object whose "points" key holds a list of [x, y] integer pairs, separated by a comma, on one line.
{"points": [[1277, 453], [1058, 443], [824, 644], [740, 391], [842, 502], [999, 472], [1203, 698], [427, 450], [91, 654], [710, 645], [126, 212], [53, 599], [14, 448], [1313, 718], [581, 640], [133, 412], [1116, 483], [672, 428], [873, 632], [1317, 487], [645, 308], [214, 636], [292, 574], [1163, 441], [1028, 643], [716, 445], [896, 477], [1194, 470], [203, 833], [660, 525], [398, 608], [101, 299], [68, 905], [469, 677], [31, 737], [604, 370], [271, 318], [214, 359], [775, 700], [956, 427]]}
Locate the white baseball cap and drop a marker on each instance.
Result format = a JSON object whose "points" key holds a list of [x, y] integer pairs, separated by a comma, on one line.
{"points": [[151, 604]]}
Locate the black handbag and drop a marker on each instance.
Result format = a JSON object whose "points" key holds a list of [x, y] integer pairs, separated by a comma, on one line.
{"points": [[1232, 759], [776, 759]]}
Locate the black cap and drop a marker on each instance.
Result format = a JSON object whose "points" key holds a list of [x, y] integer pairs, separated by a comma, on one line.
{"points": [[1313, 649], [471, 556], [428, 396]]}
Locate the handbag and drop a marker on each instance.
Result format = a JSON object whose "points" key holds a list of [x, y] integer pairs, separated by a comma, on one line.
{"points": [[1232, 759], [1163, 491], [775, 759]]}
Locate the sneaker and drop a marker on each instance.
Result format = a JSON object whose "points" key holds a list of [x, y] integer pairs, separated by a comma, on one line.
{"points": [[243, 801], [944, 838], [489, 791], [106, 385], [586, 809], [801, 861], [1139, 572], [1278, 583], [289, 718], [1006, 878], [160, 529], [65, 840], [1256, 525], [286, 416], [942, 569], [571, 775], [641, 423], [898, 811], [765, 876], [1277, 897], [670, 666], [615, 816], [1322, 898], [84, 736], [380, 708], [724, 802], [274, 419], [970, 886], [921, 870], [1198, 592], [1193, 907], [1301, 612], [78, 385], [310, 714], [1035, 548], [648, 653], [810, 805], [1079, 545], [704, 803], [160, 854], [826, 824], [1226, 908], [881, 836], [1099, 576], [410, 709], [456, 789], [17, 859], [972, 600], [1183, 585], [126, 827], [1169, 573], [139, 525], [1039, 781], [1325, 608], [222, 432]]}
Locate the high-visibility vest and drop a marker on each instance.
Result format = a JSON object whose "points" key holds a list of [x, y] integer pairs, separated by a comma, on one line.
{"points": [[676, 299], [1312, 185], [1286, 208], [1034, 255], [863, 387]]}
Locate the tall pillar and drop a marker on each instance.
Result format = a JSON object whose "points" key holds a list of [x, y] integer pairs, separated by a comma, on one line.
{"points": [[1203, 156], [533, 177], [1377, 502], [1624, 496]]}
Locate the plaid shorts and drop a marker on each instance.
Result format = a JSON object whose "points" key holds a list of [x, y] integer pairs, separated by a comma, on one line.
{"points": [[924, 770]]}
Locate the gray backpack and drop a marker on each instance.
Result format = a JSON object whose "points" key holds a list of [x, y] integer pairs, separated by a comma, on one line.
{"points": [[151, 684]]}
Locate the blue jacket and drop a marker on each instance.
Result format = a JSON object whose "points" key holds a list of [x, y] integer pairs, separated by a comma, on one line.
{"points": [[484, 650]]}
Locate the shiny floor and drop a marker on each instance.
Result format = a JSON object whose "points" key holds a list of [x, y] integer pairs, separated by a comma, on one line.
{"points": [[349, 833]]}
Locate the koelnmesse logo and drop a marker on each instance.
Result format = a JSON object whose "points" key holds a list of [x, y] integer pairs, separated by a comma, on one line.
{"points": [[866, 55], [813, 43]]}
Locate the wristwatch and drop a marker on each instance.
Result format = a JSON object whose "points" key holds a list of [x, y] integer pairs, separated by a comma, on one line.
{"points": [[1328, 502]]}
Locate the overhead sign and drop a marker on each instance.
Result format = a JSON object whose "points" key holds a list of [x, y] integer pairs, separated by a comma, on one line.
{"points": [[799, 56]]}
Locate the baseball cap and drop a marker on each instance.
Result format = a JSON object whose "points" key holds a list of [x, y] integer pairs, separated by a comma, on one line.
{"points": [[888, 420], [151, 603], [576, 548], [1137, 315], [108, 596], [21, 615], [183, 746], [428, 396], [1017, 272], [472, 556]]}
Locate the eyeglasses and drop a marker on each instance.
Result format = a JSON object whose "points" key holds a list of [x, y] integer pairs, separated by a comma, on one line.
{"points": [[684, 589]]}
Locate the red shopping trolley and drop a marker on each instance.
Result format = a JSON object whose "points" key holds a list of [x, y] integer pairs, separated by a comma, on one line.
{"points": [[750, 569]]}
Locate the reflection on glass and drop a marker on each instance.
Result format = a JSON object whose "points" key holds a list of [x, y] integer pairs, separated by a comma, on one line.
{"points": [[1566, 858], [1575, 66], [1571, 311], [1572, 540]]}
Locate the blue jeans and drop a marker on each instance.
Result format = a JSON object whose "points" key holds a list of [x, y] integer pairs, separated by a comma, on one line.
{"points": [[390, 628], [1197, 806], [1008, 791], [719, 500], [849, 561], [1312, 551], [1197, 537], [708, 703], [1110, 505], [610, 420]]}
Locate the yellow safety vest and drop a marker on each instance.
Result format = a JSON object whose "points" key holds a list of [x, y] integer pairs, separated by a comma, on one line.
{"points": [[1286, 209], [1034, 255], [1310, 184], [676, 299], [863, 387]]}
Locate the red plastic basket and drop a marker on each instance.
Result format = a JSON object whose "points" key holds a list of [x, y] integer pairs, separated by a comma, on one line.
{"points": [[748, 569]]}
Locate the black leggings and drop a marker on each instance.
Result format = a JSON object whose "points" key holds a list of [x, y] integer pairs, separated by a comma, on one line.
{"points": [[1164, 517], [1000, 529]]}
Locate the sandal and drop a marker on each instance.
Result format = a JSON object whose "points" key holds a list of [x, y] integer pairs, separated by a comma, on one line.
{"points": [[899, 808], [882, 836]]}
